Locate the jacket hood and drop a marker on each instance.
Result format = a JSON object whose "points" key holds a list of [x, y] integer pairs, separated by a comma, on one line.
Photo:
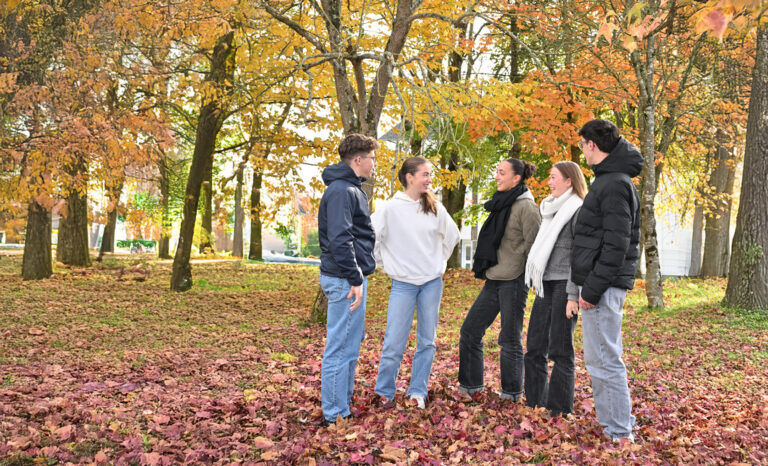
{"points": [[624, 158], [341, 171]]}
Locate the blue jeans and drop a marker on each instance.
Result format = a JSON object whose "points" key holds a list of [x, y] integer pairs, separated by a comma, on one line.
{"points": [[601, 329], [505, 297], [550, 336], [402, 300], [345, 330]]}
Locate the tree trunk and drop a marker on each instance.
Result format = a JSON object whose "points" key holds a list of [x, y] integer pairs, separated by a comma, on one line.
{"points": [[718, 219], [748, 273], [36, 263], [453, 200], [645, 73], [72, 247], [208, 126], [255, 246], [163, 247], [206, 214], [108, 237], [237, 237], [696, 237]]}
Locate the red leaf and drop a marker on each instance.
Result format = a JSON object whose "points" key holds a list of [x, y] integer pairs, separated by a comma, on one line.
{"points": [[161, 419]]}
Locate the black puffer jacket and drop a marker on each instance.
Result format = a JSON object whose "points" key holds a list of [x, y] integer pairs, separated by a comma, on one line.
{"points": [[607, 233], [344, 226]]}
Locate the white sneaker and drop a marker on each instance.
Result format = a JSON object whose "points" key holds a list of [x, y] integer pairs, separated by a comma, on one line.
{"points": [[420, 402]]}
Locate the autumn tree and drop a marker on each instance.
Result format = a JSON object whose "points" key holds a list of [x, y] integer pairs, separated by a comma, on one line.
{"points": [[748, 272]]}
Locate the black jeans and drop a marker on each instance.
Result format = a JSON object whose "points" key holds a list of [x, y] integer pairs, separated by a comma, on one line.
{"points": [[497, 296], [550, 333]]}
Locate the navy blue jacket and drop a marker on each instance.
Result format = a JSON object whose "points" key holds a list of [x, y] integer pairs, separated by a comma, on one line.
{"points": [[344, 226], [607, 231]]}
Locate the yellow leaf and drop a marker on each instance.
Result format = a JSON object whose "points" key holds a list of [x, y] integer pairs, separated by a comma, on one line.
{"points": [[636, 12], [630, 44]]}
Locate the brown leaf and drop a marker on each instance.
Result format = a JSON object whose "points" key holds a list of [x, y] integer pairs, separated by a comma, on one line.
{"points": [[393, 453], [100, 457], [65, 433], [270, 455], [263, 443]]}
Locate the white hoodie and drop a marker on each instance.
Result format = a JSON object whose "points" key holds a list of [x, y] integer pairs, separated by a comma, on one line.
{"points": [[411, 245]]}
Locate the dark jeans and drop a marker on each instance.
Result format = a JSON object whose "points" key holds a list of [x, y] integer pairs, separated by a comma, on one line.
{"points": [[550, 333], [497, 296]]}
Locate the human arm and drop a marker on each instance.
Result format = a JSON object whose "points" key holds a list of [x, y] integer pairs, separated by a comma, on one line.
{"points": [[448, 230]]}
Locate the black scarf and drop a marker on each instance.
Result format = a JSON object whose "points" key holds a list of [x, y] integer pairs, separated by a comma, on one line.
{"points": [[489, 239]]}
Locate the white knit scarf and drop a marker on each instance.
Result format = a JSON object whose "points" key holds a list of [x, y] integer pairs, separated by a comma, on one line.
{"points": [[556, 212]]}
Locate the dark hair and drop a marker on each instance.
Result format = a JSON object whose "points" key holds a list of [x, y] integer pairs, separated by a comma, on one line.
{"points": [[603, 133], [411, 166], [524, 169], [572, 171], [354, 144]]}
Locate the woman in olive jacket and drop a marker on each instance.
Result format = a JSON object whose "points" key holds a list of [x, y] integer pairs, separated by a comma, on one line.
{"points": [[500, 257]]}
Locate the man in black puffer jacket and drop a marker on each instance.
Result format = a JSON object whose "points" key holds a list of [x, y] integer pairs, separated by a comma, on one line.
{"points": [[603, 263], [346, 244]]}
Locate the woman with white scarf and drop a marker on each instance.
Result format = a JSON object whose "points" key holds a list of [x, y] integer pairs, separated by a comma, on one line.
{"points": [[555, 310]]}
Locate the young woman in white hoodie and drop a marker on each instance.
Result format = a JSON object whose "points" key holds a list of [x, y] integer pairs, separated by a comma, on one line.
{"points": [[414, 239]]}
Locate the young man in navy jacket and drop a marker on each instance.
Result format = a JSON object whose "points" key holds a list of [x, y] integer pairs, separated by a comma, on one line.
{"points": [[346, 244]]}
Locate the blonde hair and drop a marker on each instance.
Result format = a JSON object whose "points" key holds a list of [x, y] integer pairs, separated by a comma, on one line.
{"points": [[572, 171]]}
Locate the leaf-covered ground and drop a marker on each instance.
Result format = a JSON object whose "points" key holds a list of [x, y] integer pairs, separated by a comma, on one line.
{"points": [[105, 365]]}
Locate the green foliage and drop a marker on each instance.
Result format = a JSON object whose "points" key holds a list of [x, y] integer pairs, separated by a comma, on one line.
{"points": [[286, 233], [127, 243], [311, 246]]}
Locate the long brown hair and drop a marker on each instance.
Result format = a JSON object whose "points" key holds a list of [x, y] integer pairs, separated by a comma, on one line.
{"points": [[572, 171], [411, 166]]}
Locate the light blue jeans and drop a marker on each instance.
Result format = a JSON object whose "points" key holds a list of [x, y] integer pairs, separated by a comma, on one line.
{"points": [[601, 331], [403, 298], [344, 334]]}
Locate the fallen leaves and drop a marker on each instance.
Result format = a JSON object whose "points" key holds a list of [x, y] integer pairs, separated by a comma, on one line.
{"points": [[232, 375]]}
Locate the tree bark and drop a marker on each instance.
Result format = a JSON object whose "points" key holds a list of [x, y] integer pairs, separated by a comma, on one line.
{"points": [[163, 247], [36, 263], [72, 247], [255, 246], [237, 236], [718, 219], [748, 272], [108, 237], [208, 126], [696, 239], [453, 201], [206, 209], [645, 72]]}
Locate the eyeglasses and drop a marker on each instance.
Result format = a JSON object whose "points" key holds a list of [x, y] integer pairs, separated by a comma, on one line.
{"points": [[581, 144]]}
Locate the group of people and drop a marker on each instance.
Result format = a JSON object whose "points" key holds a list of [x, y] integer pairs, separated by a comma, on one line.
{"points": [[578, 250]]}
